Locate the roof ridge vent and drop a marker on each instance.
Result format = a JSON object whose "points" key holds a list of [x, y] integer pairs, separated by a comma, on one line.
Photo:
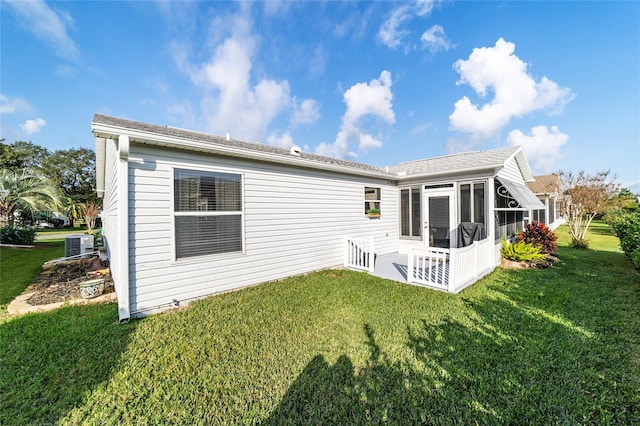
{"points": [[295, 150]]}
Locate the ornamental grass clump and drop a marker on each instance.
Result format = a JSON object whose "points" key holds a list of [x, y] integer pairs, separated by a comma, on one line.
{"points": [[521, 251], [541, 236]]}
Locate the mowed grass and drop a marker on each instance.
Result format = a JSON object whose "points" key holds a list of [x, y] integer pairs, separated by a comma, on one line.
{"points": [[19, 267], [551, 346]]}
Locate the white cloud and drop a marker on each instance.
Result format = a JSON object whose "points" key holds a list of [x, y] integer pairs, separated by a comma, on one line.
{"points": [[283, 140], [12, 105], [390, 33], [541, 146], [435, 39], [363, 100], [46, 24], [33, 126], [230, 103], [424, 7], [516, 93], [305, 112]]}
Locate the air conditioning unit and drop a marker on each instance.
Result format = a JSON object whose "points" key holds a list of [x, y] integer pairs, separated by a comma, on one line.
{"points": [[77, 245]]}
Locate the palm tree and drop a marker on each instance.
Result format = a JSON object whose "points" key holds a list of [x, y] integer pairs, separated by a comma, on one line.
{"points": [[73, 209], [24, 192]]}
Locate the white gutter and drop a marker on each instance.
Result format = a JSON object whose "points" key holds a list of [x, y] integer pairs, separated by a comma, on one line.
{"points": [[492, 168]]}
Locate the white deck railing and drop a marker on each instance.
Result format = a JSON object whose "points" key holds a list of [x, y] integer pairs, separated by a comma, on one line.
{"points": [[450, 269], [359, 253]]}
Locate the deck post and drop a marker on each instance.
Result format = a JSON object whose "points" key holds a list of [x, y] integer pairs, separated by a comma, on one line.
{"points": [[372, 256]]}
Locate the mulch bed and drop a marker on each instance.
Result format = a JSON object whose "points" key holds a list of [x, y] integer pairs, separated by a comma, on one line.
{"points": [[59, 283]]}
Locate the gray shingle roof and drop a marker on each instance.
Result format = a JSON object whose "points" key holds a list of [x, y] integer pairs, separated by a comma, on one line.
{"points": [[217, 140], [456, 162]]}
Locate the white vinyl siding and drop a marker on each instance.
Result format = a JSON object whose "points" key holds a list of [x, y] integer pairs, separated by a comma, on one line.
{"points": [[295, 221], [511, 171], [109, 214]]}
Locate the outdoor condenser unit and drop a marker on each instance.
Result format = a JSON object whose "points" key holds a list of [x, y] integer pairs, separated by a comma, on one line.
{"points": [[78, 244]]}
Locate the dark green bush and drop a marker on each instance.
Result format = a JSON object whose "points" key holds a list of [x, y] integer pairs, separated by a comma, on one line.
{"points": [[10, 234], [627, 229]]}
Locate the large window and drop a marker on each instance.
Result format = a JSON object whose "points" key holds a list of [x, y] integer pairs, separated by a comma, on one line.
{"points": [[410, 212], [208, 212], [472, 202]]}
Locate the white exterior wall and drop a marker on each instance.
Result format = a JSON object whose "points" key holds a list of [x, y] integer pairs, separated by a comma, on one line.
{"points": [[110, 226], [511, 171], [295, 221]]}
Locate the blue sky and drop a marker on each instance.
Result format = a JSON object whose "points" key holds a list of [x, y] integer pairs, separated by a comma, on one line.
{"points": [[375, 82]]}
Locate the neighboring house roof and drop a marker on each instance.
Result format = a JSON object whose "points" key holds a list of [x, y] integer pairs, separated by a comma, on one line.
{"points": [[105, 126], [545, 184], [456, 163]]}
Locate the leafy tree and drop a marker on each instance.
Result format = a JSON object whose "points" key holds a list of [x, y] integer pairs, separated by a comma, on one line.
{"points": [[585, 197], [22, 155], [25, 193], [90, 212], [74, 171], [626, 200]]}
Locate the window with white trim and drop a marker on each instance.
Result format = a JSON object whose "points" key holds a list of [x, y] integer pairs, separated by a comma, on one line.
{"points": [[371, 200], [207, 212], [410, 212]]}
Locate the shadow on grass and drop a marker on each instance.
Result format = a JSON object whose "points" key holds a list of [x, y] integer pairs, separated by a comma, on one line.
{"points": [[51, 361], [509, 363]]}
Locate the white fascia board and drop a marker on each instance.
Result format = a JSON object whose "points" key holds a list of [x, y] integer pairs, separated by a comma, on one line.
{"points": [[148, 138], [492, 170]]}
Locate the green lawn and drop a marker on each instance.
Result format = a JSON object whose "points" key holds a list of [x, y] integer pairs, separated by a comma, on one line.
{"points": [[19, 266], [550, 346]]}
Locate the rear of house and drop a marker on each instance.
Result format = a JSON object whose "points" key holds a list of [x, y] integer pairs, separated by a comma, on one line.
{"points": [[188, 214]]}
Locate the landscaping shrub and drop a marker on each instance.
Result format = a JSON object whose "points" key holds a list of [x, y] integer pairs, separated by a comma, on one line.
{"points": [[627, 229], [521, 251], [580, 244], [10, 234], [539, 235]]}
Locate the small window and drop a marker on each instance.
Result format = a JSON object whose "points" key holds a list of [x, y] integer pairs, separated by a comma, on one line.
{"points": [[371, 200], [207, 212], [410, 212]]}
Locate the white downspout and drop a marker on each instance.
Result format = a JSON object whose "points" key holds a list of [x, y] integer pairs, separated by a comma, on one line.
{"points": [[123, 228]]}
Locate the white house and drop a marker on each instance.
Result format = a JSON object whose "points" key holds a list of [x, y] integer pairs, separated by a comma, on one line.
{"points": [[188, 214], [547, 189]]}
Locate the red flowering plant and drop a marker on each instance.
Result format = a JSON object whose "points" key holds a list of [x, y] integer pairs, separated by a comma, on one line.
{"points": [[541, 236]]}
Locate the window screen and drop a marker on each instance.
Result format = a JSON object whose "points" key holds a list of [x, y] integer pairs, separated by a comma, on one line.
{"points": [[410, 212], [208, 212]]}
